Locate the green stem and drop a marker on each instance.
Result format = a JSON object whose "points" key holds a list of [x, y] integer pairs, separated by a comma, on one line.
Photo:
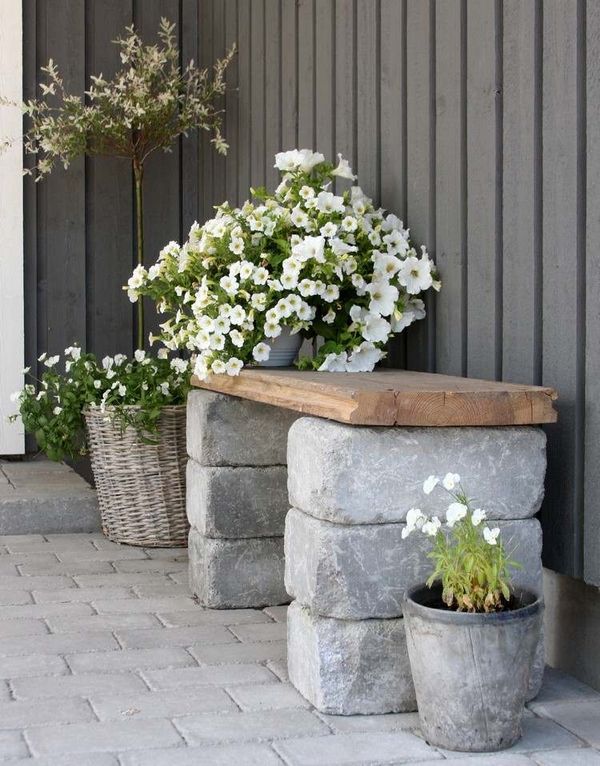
{"points": [[138, 172]]}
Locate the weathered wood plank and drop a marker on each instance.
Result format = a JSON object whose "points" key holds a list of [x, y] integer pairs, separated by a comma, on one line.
{"points": [[591, 549], [521, 157], [109, 200], [483, 269], [392, 397], [561, 336], [450, 161]]}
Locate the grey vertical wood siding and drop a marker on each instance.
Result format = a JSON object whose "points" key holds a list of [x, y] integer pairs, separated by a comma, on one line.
{"points": [[475, 120]]}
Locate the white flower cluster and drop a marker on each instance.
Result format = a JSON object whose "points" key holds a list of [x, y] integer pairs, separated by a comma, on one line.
{"points": [[304, 258], [456, 511]]}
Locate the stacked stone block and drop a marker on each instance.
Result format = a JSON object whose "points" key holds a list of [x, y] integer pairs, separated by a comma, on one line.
{"points": [[236, 500], [347, 566]]}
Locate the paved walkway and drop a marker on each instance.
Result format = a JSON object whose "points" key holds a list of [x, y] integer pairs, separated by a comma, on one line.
{"points": [[106, 661]]}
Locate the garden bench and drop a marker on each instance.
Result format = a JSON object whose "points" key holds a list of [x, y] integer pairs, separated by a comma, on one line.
{"points": [[358, 448]]}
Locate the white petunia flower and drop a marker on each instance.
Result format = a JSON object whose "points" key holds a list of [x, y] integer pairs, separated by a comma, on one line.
{"points": [[261, 352], [329, 317], [307, 192], [343, 169], [236, 245], [164, 387], [430, 484], [221, 325], [272, 329], [258, 301], [289, 280], [415, 275], [218, 367], [305, 312], [52, 361], [229, 284], [234, 366], [450, 481], [491, 535], [383, 297], [309, 160], [139, 355], [246, 270], [364, 358], [340, 247], [376, 328], [334, 363], [299, 217], [260, 276], [236, 338], [162, 353], [122, 390], [455, 512], [478, 516], [332, 293], [237, 315], [57, 410], [328, 230], [327, 202], [217, 342], [349, 223]]}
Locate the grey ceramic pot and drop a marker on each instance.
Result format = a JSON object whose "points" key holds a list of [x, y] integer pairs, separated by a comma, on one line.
{"points": [[284, 349], [471, 671]]}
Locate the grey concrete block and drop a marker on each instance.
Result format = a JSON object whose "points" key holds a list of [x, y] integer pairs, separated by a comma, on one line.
{"points": [[224, 430], [367, 475], [237, 502], [349, 666], [237, 573], [357, 572]]}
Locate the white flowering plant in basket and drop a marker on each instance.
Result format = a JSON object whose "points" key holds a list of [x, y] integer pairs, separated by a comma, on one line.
{"points": [[303, 259], [469, 557]]}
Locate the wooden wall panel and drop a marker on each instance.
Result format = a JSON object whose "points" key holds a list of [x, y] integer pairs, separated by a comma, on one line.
{"points": [[474, 120]]}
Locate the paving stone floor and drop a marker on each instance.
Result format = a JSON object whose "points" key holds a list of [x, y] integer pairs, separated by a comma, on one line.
{"points": [[106, 660]]}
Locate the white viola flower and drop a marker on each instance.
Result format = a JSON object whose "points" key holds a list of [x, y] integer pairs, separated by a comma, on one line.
{"points": [[343, 169], [236, 337], [364, 358], [221, 325], [334, 363], [478, 516], [455, 512], [237, 315], [328, 230], [450, 481], [217, 342], [415, 518], [258, 301], [139, 355], [376, 328], [329, 317], [307, 192], [327, 202], [431, 527], [261, 352], [236, 245], [383, 297], [246, 270], [340, 247], [430, 484], [229, 284], [272, 329], [349, 223], [491, 535], [415, 275], [260, 276], [218, 367], [306, 288], [51, 361], [299, 217], [309, 160], [331, 293]]}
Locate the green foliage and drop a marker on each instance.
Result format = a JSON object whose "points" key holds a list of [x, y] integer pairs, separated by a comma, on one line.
{"points": [[131, 392]]}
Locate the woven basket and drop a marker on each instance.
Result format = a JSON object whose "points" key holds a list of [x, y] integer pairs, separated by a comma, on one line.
{"points": [[141, 487]]}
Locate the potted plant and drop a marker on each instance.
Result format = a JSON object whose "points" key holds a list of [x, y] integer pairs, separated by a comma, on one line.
{"points": [[130, 416], [136, 436], [303, 261], [471, 637]]}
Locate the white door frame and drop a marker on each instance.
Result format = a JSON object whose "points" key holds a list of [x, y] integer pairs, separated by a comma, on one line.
{"points": [[11, 225]]}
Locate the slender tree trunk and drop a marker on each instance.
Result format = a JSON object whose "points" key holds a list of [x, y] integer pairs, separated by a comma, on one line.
{"points": [[138, 172]]}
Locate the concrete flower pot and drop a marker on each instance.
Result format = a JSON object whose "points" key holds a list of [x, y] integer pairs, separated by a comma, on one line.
{"points": [[284, 349], [471, 671]]}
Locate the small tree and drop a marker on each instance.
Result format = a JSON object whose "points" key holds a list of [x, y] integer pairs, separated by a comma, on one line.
{"points": [[149, 103]]}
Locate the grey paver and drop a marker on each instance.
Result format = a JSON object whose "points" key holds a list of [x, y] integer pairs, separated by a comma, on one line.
{"points": [[216, 675], [480, 759], [178, 603], [75, 554], [168, 588], [163, 566], [267, 696], [82, 685], [57, 643], [171, 554], [560, 687], [243, 727], [32, 665], [12, 745], [33, 582], [25, 545], [7, 539], [275, 631], [74, 595], [212, 655], [19, 715], [69, 624], [126, 580], [576, 757], [55, 567], [186, 636], [103, 736], [24, 627], [278, 613], [212, 617], [342, 724], [221, 755], [279, 667], [10, 597], [163, 704], [90, 759], [43, 610], [359, 748], [581, 717], [129, 659], [540, 734]]}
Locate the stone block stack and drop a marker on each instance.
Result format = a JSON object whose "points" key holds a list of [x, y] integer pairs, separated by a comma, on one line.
{"points": [[236, 500], [347, 566]]}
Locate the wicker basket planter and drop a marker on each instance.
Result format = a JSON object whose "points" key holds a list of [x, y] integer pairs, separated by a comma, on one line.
{"points": [[141, 487]]}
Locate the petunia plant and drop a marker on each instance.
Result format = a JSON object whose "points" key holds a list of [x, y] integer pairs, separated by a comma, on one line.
{"points": [[130, 391], [469, 557], [303, 259]]}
